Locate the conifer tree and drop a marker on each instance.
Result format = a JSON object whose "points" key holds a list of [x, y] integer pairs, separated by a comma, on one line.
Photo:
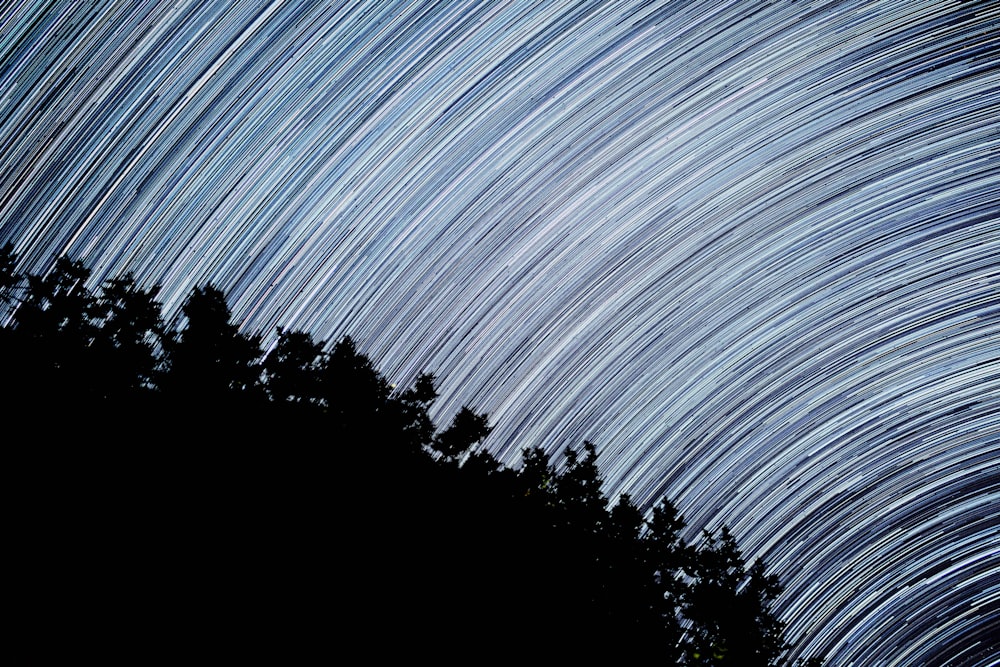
{"points": [[209, 361]]}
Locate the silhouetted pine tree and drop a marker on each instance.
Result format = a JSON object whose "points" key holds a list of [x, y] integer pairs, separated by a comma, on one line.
{"points": [[209, 364], [292, 369], [130, 330]]}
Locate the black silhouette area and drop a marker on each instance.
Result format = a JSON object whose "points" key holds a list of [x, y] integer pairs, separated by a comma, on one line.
{"points": [[175, 492]]}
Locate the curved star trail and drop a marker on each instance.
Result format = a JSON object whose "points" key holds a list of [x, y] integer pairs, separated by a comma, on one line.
{"points": [[751, 251]]}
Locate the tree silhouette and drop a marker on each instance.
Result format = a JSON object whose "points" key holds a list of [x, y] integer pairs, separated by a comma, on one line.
{"points": [[354, 393], [667, 556], [410, 414], [66, 345], [292, 368], [578, 491], [209, 362], [129, 330], [52, 329], [466, 429], [631, 597], [267, 487], [728, 607]]}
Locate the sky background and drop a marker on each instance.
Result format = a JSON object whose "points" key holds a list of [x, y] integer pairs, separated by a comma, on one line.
{"points": [[750, 250]]}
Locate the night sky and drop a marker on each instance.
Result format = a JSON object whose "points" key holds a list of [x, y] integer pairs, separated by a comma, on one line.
{"points": [[750, 250]]}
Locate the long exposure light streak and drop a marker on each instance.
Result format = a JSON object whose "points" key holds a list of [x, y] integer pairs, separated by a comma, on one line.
{"points": [[750, 250]]}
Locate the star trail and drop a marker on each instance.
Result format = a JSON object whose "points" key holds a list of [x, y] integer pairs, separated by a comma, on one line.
{"points": [[750, 250]]}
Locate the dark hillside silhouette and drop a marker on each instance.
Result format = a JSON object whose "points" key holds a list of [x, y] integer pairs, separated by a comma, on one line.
{"points": [[179, 491]]}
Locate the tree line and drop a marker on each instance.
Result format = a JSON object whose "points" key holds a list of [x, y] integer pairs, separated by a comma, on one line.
{"points": [[290, 498]]}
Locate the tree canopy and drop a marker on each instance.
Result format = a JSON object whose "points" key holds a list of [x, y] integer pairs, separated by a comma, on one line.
{"points": [[291, 496]]}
